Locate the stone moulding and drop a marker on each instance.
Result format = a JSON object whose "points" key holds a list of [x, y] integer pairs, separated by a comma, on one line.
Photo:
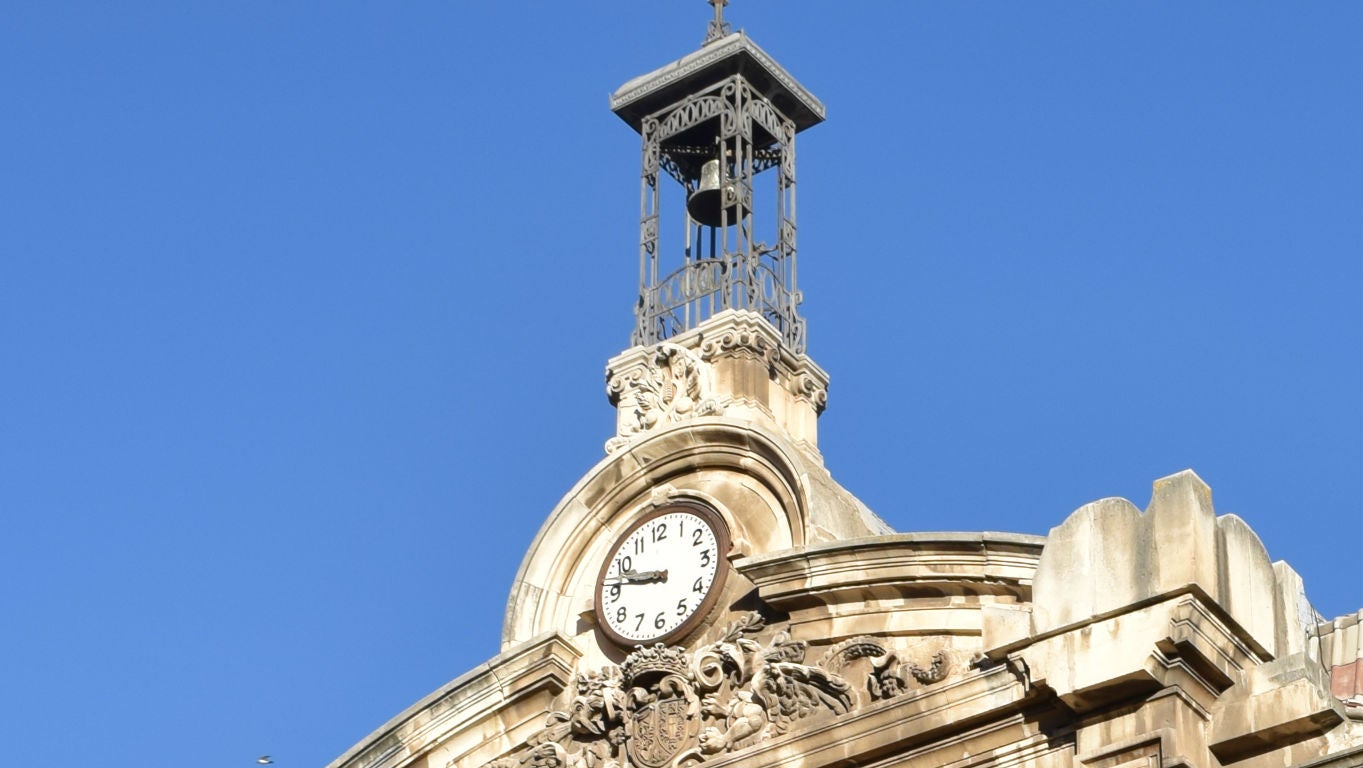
{"points": [[979, 560], [495, 697], [745, 335], [898, 584]]}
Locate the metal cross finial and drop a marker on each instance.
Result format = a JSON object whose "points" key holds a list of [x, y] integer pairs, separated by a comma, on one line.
{"points": [[718, 26]]}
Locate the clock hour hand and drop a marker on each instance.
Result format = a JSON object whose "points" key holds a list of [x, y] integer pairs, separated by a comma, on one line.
{"points": [[639, 577]]}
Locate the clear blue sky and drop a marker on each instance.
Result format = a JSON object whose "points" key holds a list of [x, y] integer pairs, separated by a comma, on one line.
{"points": [[304, 309]]}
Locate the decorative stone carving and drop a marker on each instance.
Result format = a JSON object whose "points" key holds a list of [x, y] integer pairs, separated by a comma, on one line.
{"points": [[741, 339], [667, 385], [889, 674], [661, 704], [752, 691], [666, 708], [812, 389], [748, 337]]}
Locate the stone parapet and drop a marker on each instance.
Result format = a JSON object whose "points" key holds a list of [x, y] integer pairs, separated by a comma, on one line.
{"points": [[1108, 556]]}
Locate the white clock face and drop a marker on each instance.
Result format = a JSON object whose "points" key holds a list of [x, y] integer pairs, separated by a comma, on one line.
{"points": [[660, 574]]}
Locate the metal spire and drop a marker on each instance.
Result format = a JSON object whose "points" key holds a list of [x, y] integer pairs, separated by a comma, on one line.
{"points": [[718, 27]]}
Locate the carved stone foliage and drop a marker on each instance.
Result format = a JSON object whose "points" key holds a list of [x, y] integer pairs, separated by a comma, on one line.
{"points": [[666, 708], [669, 384]]}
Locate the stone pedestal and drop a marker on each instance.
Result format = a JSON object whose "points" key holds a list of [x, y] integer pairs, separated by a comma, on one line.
{"points": [[733, 365]]}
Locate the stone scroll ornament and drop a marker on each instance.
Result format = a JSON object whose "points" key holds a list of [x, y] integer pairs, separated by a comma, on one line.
{"points": [[666, 708]]}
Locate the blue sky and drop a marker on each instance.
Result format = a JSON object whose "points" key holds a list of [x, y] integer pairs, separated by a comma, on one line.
{"points": [[304, 310]]}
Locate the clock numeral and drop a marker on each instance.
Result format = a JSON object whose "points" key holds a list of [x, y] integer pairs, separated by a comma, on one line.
{"points": [[640, 621], [698, 587], [659, 532], [614, 592], [681, 604], [695, 538], [620, 615], [659, 622], [639, 545], [705, 557], [624, 565]]}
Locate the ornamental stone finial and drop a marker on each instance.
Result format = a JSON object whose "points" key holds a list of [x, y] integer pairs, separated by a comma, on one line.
{"points": [[718, 27]]}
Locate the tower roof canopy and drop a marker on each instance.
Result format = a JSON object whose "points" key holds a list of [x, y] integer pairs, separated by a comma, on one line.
{"points": [[733, 54]]}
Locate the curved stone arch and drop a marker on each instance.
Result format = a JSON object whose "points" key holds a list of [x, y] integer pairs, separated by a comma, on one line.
{"points": [[693, 460]]}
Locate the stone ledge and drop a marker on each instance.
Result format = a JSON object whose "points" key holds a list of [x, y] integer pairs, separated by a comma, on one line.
{"points": [[894, 562], [1177, 641], [1279, 703], [543, 665]]}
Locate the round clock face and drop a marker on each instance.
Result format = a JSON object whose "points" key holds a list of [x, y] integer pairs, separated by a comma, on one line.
{"points": [[663, 575]]}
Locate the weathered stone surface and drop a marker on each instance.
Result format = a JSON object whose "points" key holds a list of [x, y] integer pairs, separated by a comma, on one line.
{"points": [[1108, 555], [1275, 705], [898, 584]]}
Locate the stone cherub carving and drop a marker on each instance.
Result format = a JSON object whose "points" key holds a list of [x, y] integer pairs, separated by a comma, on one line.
{"points": [[754, 691]]}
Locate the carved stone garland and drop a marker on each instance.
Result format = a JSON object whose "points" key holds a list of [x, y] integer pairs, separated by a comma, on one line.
{"points": [[665, 708]]}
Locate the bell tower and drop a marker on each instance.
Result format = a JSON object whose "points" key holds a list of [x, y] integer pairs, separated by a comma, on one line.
{"points": [[717, 187], [718, 332]]}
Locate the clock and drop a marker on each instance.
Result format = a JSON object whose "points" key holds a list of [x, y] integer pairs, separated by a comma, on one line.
{"points": [[663, 575]]}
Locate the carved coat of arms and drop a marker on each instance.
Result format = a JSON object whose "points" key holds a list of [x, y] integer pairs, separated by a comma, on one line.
{"points": [[662, 706]]}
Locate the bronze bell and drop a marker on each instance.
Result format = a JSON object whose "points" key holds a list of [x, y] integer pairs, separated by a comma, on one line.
{"points": [[711, 197]]}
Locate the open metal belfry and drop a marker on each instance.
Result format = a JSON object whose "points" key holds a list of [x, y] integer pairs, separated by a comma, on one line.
{"points": [[721, 123]]}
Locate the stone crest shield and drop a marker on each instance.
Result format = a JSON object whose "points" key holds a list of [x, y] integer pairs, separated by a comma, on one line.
{"points": [[660, 731]]}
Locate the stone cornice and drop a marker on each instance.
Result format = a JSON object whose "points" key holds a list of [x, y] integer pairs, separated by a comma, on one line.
{"points": [[745, 335], [895, 564], [543, 665]]}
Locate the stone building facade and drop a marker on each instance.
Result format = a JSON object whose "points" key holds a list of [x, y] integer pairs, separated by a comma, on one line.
{"points": [[708, 595]]}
